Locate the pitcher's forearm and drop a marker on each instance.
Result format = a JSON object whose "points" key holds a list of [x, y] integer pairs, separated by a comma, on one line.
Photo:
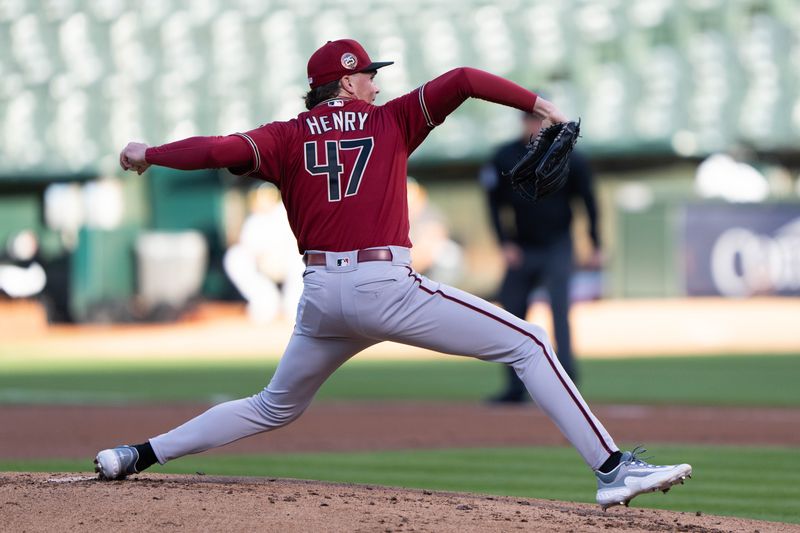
{"points": [[201, 152]]}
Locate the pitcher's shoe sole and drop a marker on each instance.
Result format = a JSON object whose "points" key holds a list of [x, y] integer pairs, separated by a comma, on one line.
{"points": [[662, 478]]}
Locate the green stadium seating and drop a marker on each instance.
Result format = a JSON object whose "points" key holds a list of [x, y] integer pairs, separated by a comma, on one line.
{"points": [[675, 75]]}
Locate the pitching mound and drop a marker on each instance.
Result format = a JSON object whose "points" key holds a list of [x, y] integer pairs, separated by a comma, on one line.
{"points": [[79, 502]]}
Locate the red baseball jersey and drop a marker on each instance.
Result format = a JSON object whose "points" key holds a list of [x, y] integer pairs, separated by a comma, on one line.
{"points": [[341, 170], [341, 167]]}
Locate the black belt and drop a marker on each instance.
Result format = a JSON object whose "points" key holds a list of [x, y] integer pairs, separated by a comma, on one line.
{"points": [[364, 256]]}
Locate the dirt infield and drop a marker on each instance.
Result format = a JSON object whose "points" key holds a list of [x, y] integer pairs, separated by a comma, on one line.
{"points": [[79, 431], [153, 502], [64, 502]]}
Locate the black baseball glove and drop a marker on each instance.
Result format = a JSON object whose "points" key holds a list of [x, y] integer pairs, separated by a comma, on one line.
{"points": [[544, 168]]}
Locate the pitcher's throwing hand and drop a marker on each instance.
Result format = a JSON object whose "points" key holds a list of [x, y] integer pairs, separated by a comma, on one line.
{"points": [[132, 157]]}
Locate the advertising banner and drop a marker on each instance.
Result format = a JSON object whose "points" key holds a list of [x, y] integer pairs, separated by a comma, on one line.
{"points": [[740, 250]]}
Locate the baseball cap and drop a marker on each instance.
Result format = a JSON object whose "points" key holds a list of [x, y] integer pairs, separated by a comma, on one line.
{"points": [[339, 58]]}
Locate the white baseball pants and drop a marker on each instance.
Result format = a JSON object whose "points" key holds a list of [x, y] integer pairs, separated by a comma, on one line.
{"points": [[347, 307]]}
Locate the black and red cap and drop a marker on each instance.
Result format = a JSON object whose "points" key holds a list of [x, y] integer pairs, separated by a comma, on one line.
{"points": [[339, 58]]}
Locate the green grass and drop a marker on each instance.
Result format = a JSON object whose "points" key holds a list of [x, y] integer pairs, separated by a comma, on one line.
{"points": [[739, 380], [760, 483], [734, 380]]}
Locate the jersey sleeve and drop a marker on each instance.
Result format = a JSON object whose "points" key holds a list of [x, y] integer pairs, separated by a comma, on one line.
{"points": [[200, 152], [409, 114], [265, 155], [441, 96], [424, 108]]}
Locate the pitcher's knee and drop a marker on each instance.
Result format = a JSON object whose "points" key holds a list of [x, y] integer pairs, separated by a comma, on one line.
{"points": [[539, 338], [537, 333], [534, 343], [276, 411]]}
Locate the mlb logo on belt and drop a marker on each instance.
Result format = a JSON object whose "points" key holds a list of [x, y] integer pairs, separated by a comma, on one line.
{"points": [[343, 262]]}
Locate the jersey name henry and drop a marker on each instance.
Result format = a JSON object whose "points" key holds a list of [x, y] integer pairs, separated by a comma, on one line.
{"points": [[340, 120]]}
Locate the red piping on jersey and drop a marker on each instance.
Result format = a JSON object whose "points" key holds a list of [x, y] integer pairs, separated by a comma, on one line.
{"points": [[256, 153], [527, 334], [425, 111]]}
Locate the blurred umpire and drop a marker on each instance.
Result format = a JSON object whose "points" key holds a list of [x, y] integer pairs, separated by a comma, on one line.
{"points": [[536, 243]]}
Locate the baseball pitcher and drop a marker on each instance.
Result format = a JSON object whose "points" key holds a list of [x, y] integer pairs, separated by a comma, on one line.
{"points": [[341, 171]]}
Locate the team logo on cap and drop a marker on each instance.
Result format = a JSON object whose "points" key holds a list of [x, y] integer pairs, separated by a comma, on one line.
{"points": [[349, 61]]}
